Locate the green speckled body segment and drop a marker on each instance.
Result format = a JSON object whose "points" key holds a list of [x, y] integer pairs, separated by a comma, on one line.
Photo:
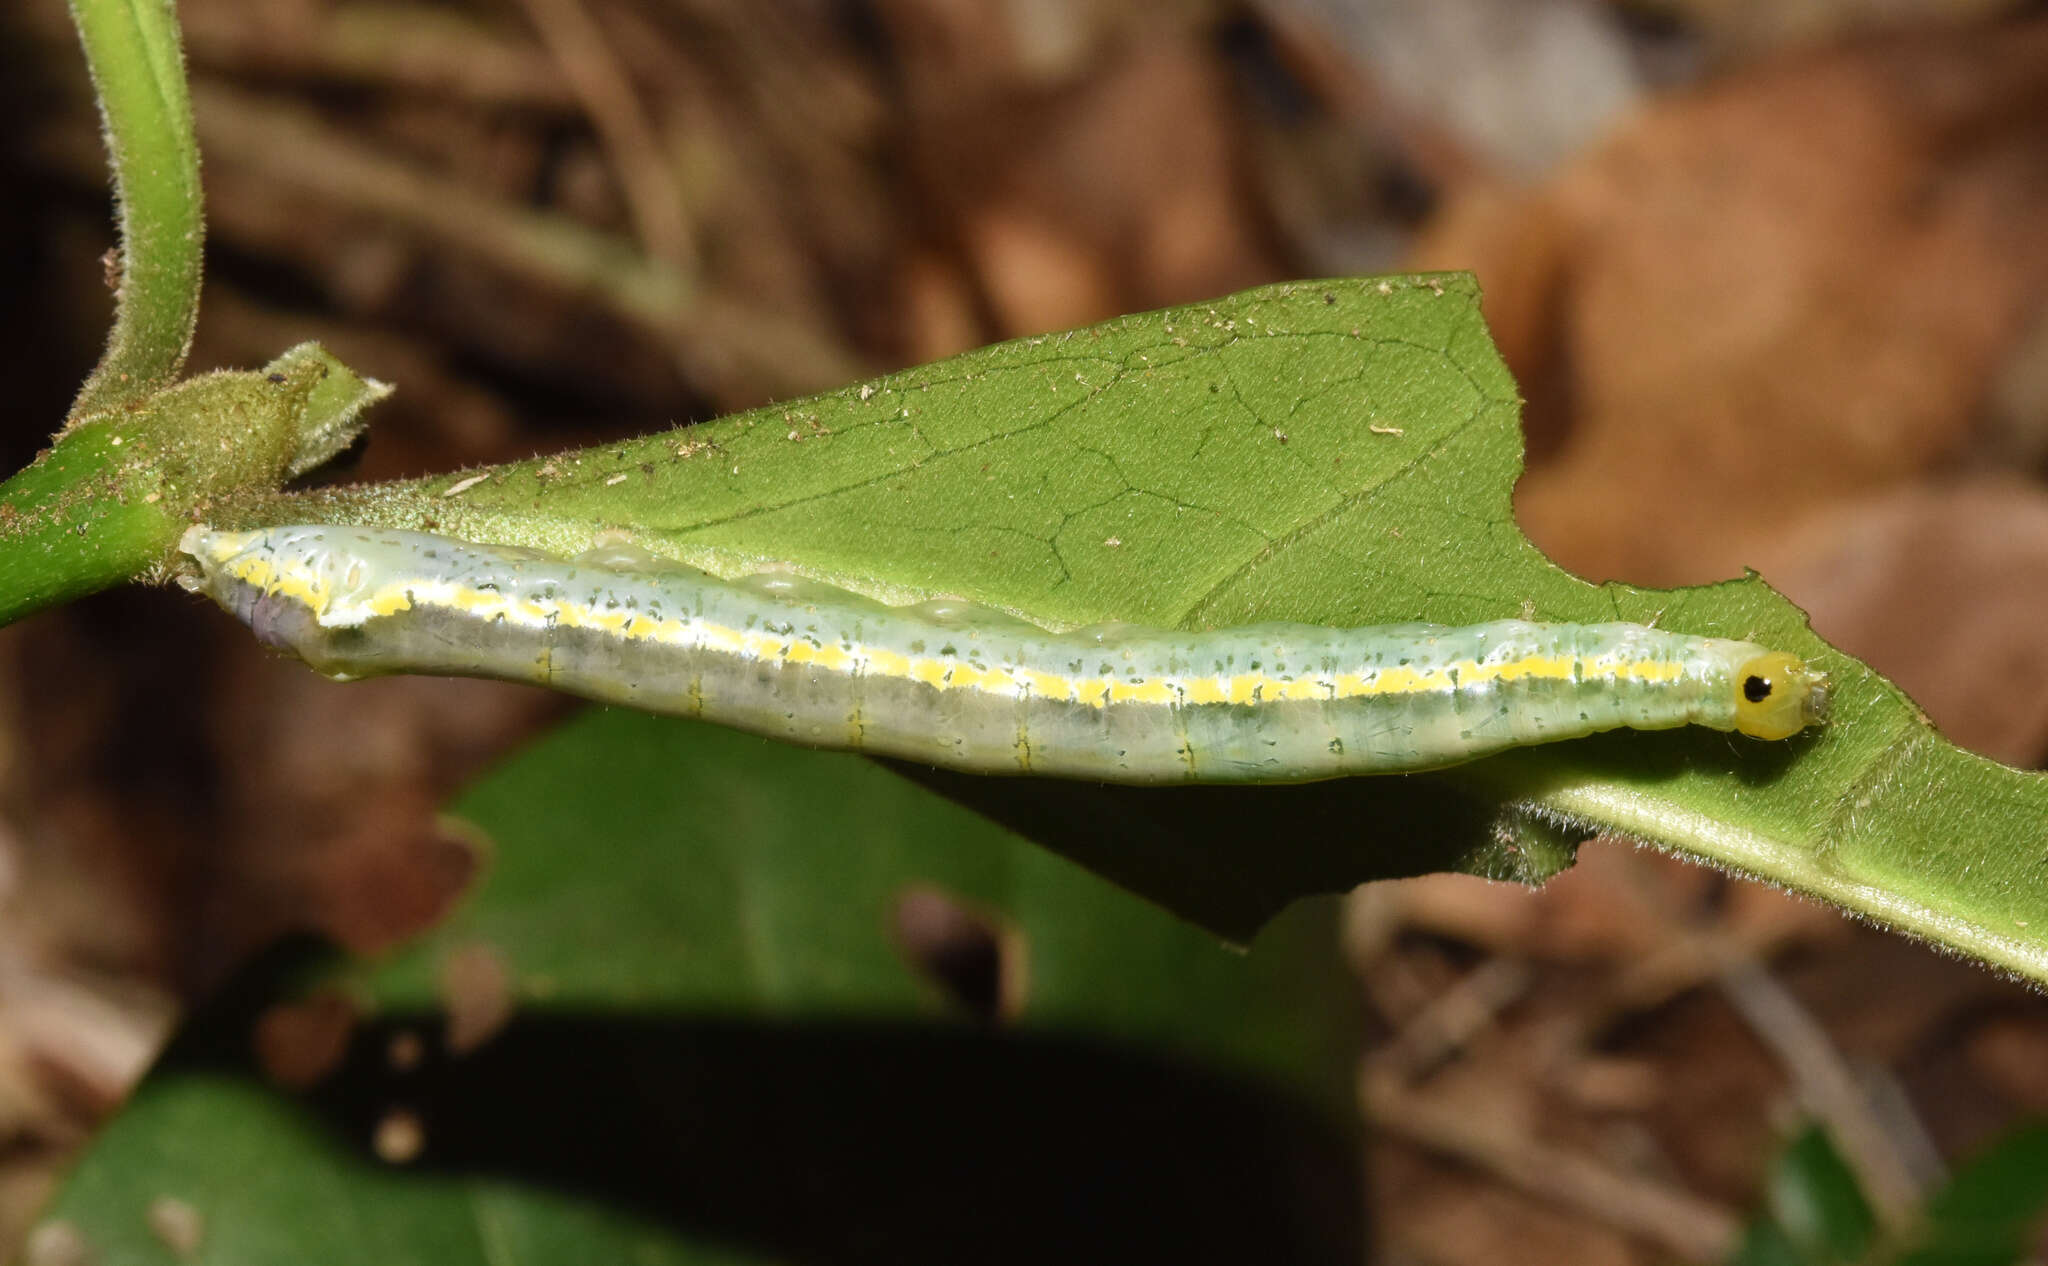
{"points": [[957, 685]]}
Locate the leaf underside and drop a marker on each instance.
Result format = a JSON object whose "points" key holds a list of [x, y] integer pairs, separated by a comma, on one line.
{"points": [[1341, 453]]}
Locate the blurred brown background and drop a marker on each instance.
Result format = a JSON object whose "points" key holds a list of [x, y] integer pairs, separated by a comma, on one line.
{"points": [[1772, 275]]}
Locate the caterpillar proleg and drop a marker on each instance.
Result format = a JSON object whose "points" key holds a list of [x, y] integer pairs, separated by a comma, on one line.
{"points": [[966, 687]]}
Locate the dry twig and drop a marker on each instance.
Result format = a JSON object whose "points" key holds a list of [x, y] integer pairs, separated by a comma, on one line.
{"points": [[1695, 1229]]}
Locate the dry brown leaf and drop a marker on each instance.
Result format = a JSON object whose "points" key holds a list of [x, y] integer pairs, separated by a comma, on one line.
{"points": [[386, 881], [2009, 1054], [1037, 273], [1944, 589], [1601, 908], [298, 1043], [1122, 191], [1760, 24], [1792, 287]]}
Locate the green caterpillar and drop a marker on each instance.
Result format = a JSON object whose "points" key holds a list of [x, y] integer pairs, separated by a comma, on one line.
{"points": [[962, 686]]}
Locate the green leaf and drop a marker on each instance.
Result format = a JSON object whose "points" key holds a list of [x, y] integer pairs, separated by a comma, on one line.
{"points": [[1817, 1212], [718, 1049], [1765, 1243], [138, 75], [1341, 453], [1989, 1210], [330, 419], [108, 500]]}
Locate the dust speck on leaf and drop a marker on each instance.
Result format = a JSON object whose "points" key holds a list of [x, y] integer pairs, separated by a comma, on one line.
{"points": [[56, 1244], [399, 1138], [178, 1226], [476, 992], [404, 1051]]}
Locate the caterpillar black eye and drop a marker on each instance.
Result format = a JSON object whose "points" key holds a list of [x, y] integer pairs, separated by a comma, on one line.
{"points": [[1777, 696]]}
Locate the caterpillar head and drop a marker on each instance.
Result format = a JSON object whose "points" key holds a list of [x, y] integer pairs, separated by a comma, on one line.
{"points": [[1777, 695]]}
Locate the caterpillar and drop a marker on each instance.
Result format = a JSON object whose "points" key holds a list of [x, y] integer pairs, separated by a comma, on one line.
{"points": [[949, 683]]}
